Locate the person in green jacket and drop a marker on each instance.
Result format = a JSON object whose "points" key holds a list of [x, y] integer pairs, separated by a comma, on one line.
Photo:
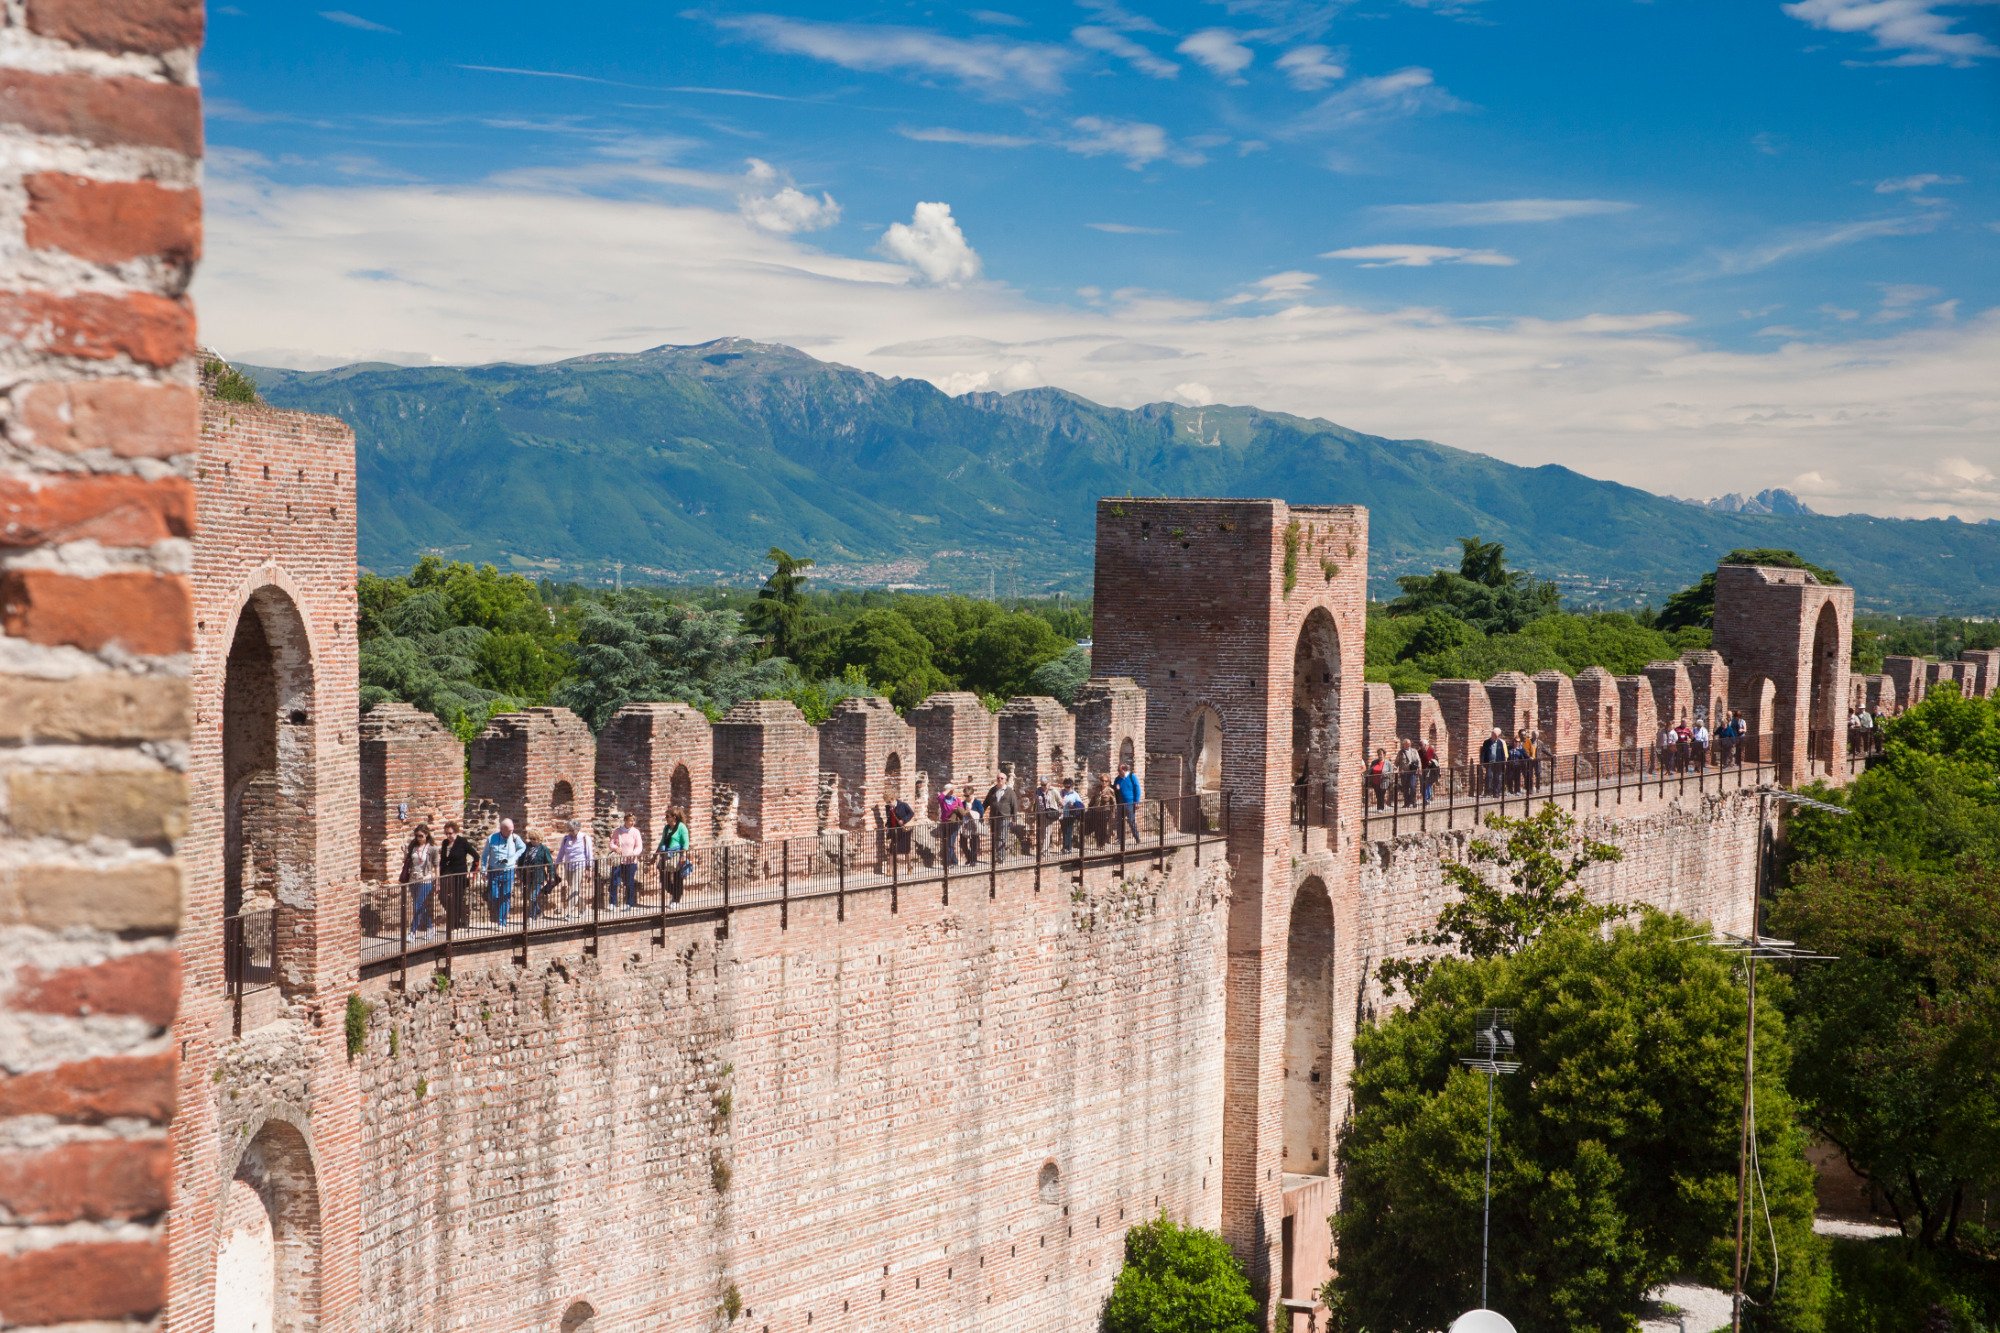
{"points": [[672, 854]]}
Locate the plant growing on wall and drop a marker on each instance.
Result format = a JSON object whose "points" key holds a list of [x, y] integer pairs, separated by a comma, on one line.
{"points": [[358, 1011], [1293, 535]]}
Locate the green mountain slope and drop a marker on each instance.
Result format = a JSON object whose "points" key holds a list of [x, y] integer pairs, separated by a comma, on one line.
{"points": [[688, 462]]}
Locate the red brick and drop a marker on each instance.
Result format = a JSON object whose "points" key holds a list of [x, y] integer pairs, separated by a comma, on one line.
{"points": [[73, 1283], [91, 1091], [152, 330], [144, 985], [107, 112], [131, 418], [105, 1181], [148, 26], [111, 221], [142, 613], [114, 511]]}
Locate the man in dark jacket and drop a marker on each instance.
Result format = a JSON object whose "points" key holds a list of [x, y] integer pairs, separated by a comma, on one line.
{"points": [[456, 861], [1493, 754]]}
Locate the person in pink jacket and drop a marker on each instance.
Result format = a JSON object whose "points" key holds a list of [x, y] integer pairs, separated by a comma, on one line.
{"points": [[628, 844]]}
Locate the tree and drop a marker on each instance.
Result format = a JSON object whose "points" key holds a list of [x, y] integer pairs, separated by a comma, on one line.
{"points": [[1542, 859], [1179, 1279], [640, 649], [1063, 677], [891, 655], [1695, 605], [1899, 1035], [781, 614], [1615, 1147], [1483, 592], [420, 656], [1001, 656]]}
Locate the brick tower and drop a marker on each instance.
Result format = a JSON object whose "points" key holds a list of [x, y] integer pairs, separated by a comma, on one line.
{"points": [[1787, 637]]}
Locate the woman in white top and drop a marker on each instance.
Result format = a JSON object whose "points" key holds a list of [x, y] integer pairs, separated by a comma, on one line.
{"points": [[420, 872], [574, 859]]}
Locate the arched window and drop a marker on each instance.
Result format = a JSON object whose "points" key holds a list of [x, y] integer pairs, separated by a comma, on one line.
{"points": [[681, 789], [892, 776], [1048, 1184], [562, 803], [267, 1252], [1316, 757], [1309, 1032], [1205, 750], [581, 1317]]}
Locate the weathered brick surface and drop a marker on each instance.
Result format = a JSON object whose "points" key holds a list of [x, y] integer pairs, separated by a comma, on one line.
{"points": [[152, 27], [1781, 627], [1600, 721], [1379, 730], [1638, 714], [956, 738], [651, 758], [1419, 717], [1515, 705], [109, 222], [1557, 721], [412, 772], [1468, 717], [1037, 742], [537, 767], [873, 752], [846, 1120], [767, 755], [1908, 674], [1984, 666], [1110, 726], [1673, 693], [1708, 683]]}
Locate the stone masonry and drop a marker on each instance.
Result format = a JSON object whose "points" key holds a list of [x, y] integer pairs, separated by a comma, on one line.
{"points": [[653, 757]]}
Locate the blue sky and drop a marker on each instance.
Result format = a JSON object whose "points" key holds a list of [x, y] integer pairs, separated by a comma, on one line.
{"points": [[1697, 247]]}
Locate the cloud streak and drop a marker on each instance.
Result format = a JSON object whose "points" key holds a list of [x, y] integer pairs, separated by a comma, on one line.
{"points": [[1112, 42], [355, 21], [1420, 256], [1913, 27], [1804, 241], [1488, 212], [991, 65]]}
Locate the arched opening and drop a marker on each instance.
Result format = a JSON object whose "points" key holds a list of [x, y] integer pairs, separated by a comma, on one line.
{"points": [[1825, 712], [1316, 763], [1205, 750], [1048, 1184], [562, 803], [1058, 762], [269, 789], [681, 791], [1309, 1032], [267, 1252], [892, 776], [581, 1317], [1127, 755]]}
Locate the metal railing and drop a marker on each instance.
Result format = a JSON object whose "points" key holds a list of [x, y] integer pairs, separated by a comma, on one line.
{"points": [[1417, 802], [249, 959], [470, 911]]}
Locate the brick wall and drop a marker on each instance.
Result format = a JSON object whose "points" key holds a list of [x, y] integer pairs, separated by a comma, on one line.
{"points": [[1783, 627], [100, 224], [1378, 719], [1673, 693], [1110, 726], [1419, 717], [412, 772], [1512, 698], [1708, 680], [1556, 719], [1908, 674], [651, 758], [1600, 722], [956, 738], [1638, 713], [767, 755], [845, 1122], [1984, 664], [1468, 717], [537, 767], [873, 752], [1037, 742]]}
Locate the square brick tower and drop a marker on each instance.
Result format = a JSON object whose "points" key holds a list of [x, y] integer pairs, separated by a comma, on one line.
{"points": [[1783, 629], [1247, 616]]}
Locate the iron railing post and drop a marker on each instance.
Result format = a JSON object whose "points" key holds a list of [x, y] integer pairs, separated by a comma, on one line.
{"points": [[403, 936], [840, 882], [785, 884]]}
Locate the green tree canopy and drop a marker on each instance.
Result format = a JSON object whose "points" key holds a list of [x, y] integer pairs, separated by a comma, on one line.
{"points": [[1002, 655], [1179, 1279], [1615, 1147], [641, 649], [781, 614], [892, 655], [1482, 592]]}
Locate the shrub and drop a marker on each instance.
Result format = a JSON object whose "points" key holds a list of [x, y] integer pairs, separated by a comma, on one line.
{"points": [[1179, 1279]]}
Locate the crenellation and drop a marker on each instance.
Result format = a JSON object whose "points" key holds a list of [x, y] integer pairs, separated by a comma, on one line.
{"points": [[1638, 713], [1037, 741], [537, 767], [1708, 685], [1419, 717], [767, 755], [412, 772], [1468, 717], [874, 753], [1909, 677], [957, 737], [1379, 729], [1512, 699], [1557, 719], [1674, 699], [1110, 726], [1600, 711], [652, 758]]}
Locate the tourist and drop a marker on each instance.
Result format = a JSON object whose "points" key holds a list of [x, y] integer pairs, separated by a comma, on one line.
{"points": [[1700, 742], [575, 858], [1378, 778], [457, 860], [951, 820], [672, 854], [628, 844], [501, 854], [1073, 808], [1517, 764], [974, 814], [1493, 759], [1048, 813], [1531, 752], [1665, 743], [1002, 811], [1103, 810], [535, 870], [1127, 788], [1409, 769], [1430, 769], [420, 872], [896, 817]]}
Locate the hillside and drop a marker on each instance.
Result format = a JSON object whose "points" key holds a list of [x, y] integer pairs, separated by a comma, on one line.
{"points": [[689, 462]]}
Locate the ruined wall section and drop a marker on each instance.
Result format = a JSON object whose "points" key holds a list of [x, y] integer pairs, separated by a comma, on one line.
{"points": [[934, 1118], [412, 772], [537, 767], [653, 757]]}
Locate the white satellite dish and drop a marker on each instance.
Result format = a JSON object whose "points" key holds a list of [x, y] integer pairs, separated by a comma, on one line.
{"points": [[1481, 1321]]}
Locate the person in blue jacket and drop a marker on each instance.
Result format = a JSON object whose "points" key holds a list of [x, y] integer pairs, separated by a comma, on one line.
{"points": [[1127, 787]]}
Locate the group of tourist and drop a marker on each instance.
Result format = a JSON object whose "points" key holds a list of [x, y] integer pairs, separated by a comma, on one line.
{"points": [[995, 821], [557, 883]]}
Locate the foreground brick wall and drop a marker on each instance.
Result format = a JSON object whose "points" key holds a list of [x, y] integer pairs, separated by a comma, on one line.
{"points": [[847, 1123], [100, 223]]}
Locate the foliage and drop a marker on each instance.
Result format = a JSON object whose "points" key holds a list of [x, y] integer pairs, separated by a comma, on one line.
{"points": [[1542, 859], [1895, 1287], [418, 655], [222, 380], [1483, 592], [1615, 1147], [358, 1012], [1943, 637], [1900, 1034], [892, 655], [1179, 1279], [637, 648], [1063, 677], [781, 614], [1002, 655], [1694, 606]]}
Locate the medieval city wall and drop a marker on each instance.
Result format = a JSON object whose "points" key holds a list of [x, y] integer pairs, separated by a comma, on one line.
{"points": [[936, 1117]]}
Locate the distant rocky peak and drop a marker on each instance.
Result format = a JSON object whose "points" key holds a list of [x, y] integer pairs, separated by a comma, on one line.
{"points": [[1776, 500]]}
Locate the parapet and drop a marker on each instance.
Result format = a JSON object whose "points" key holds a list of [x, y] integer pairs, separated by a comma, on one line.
{"points": [[1557, 721], [956, 737], [1379, 727], [537, 767], [767, 757], [1708, 681], [1985, 668], [1909, 677], [1511, 696], [412, 772], [1468, 717], [1599, 716], [1673, 692], [1110, 725], [1638, 712], [655, 757], [872, 752], [1037, 741], [1419, 717]]}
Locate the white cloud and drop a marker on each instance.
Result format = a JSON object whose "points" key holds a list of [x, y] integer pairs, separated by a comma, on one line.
{"points": [[1194, 394], [347, 20], [1915, 184], [329, 274], [1286, 286], [1419, 256], [1403, 93], [1220, 50], [1818, 239], [970, 138], [1134, 140], [772, 202], [932, 244], [989, 64], [1484, 212], [1311, 68], [1913, 27], [1112, 42], [1129, 229]]}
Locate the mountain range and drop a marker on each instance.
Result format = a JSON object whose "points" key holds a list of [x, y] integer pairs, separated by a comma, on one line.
{"points": [[685, 464]]}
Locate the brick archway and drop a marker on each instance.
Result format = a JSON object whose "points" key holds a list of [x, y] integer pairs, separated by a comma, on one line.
{"points": [[267, 1251]]}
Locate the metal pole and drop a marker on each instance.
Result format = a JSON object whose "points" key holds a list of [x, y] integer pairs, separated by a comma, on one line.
{"points": [[840, 883], [785, 884], [527, 904], [1749, 1067], [1486, 1222], [403, 945], [726, 859], [596, 906]]}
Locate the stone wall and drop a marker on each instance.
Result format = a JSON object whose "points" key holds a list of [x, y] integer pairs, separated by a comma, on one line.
{"points": [[939, 1118], [100, 146]]}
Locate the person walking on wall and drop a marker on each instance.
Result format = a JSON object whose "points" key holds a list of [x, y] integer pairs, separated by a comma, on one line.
{"points": [[1073, 808], [499, 857], [1493, 758], [951, 821], [1378, 778], [1003, 810], [1127, 789], [457, 862], [1531, 751], [1700, 742], [975, 823], [672, 855], [420, 872], [535, 871], [574, 860], [1048, 813], [628, 844], [1430, 769], [1409, 768]]}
